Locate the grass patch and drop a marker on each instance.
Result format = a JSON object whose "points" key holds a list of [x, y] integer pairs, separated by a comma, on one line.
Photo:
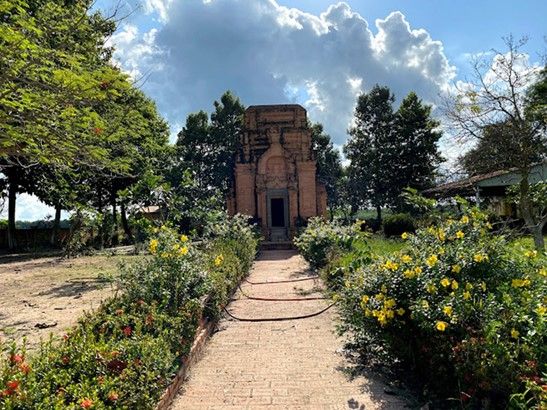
{"points": [[381, 246]]}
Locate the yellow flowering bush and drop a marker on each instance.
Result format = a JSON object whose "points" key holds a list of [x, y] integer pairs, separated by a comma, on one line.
{"points": [[457, 307], [124, 354]]}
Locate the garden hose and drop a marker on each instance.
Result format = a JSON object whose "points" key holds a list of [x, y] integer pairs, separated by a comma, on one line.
{"points": [[281, 281], [279, 319], [279, 299]]}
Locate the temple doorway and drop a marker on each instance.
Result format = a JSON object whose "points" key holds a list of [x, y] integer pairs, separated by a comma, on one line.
{"points": [[278, 214]]}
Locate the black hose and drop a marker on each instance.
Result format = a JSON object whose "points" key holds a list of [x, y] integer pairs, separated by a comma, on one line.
{"points": [[279, 319]]}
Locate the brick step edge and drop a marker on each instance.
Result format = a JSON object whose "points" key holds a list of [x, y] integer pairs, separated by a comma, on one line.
{"points": [[203, 333]]}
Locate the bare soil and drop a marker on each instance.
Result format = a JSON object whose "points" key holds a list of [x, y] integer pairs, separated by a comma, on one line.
{"points": [[47, 294]]}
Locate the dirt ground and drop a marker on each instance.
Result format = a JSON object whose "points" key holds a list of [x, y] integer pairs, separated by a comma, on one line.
{"points": [[41, 295]]}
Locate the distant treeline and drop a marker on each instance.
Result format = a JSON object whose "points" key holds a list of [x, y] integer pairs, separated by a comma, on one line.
{"points": [[39, 224]]}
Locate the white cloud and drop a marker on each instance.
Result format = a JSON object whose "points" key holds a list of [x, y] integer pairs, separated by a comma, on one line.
{"points": [[158, 6], [30, 208], [267, 54]]}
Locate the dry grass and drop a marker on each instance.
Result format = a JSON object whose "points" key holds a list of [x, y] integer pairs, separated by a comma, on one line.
{"points": [[40, 295]]}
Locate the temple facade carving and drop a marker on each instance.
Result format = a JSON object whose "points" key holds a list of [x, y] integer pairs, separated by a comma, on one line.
{"points": [[275, 172]]}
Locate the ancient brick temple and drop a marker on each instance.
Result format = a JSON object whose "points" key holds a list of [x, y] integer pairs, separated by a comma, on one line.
{"points": [[275, 173]]}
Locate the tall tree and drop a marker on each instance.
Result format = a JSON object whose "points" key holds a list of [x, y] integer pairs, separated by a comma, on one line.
{"points": [[208, 147], [495, 150], [369, 148], [500, 92], [415, 144], [329, 165]]}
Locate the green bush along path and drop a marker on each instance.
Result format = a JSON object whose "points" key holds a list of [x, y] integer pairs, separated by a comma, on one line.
{"points": [[290, 364]]}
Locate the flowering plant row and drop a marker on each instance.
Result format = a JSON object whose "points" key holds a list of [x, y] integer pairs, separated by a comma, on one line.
{"points": [[124, 354], [457, 307]]}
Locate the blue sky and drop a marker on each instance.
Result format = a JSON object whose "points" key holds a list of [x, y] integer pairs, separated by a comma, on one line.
{"points": [[322, 54]]}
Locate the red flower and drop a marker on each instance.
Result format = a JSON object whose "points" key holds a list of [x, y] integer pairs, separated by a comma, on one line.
{"points": [[113, 396], [65, 360], [16, 359], [86, 403], [13, 384], [97, 130], [149, 319], [140, 302], [6, 393], [127, 331], [65, 337]]}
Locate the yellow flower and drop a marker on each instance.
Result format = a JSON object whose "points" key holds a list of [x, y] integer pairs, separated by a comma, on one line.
{"points": [[400, 311], [466, 295], [479, 257], [468, 286], [447, 310], [406, 258], [431, 288], [441, 251], [543, 272], [390, 265], [515, 333], [153, 246], [454, 284], [368, 312], [218, 260], [520, 283], [531, 254], [183, 251], [183, 238], [541, 310], [483, 286], [442, 235], [418, 270], [441, 326], [176, 247], [379, 296], [465, 219], [409, 274], [389, 303], [425, 304], [460, 235], [445, 282], [456, 268], [365, 299], [404, 235], [164, 255], [389, 314], [432, 261], [383, 289]]}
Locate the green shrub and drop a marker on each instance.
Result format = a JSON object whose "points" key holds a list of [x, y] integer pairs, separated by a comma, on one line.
{"points": [[372, 224], [320, 238], [397, 224], [456, 307], [124, 354]]}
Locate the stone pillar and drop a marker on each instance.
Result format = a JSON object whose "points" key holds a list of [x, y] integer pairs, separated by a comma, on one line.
{"points": [[245, 186], [293, 209], [307, 188], [321, 200]]}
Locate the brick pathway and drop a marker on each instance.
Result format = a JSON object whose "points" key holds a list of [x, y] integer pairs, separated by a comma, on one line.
{"points": [[278, 365]]}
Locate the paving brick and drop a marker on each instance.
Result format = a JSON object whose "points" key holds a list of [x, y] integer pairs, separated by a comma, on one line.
{"points": [[278, 365]]}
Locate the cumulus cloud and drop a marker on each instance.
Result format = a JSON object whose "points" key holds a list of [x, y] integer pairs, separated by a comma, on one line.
{"points": [[30, 208], [267, 54]]}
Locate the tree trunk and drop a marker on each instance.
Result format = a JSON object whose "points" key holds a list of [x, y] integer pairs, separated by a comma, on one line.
{"points": [[56, 225], [526, 210], [115, 239], [12, 196], [379, 214], [125, 224]]}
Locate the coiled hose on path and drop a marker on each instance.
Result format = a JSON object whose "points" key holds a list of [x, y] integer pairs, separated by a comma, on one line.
{"points": [[279, 319]]}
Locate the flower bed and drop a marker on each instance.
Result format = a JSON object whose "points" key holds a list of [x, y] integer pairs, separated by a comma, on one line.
{"points": [[125, 354], [458, 308]]}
